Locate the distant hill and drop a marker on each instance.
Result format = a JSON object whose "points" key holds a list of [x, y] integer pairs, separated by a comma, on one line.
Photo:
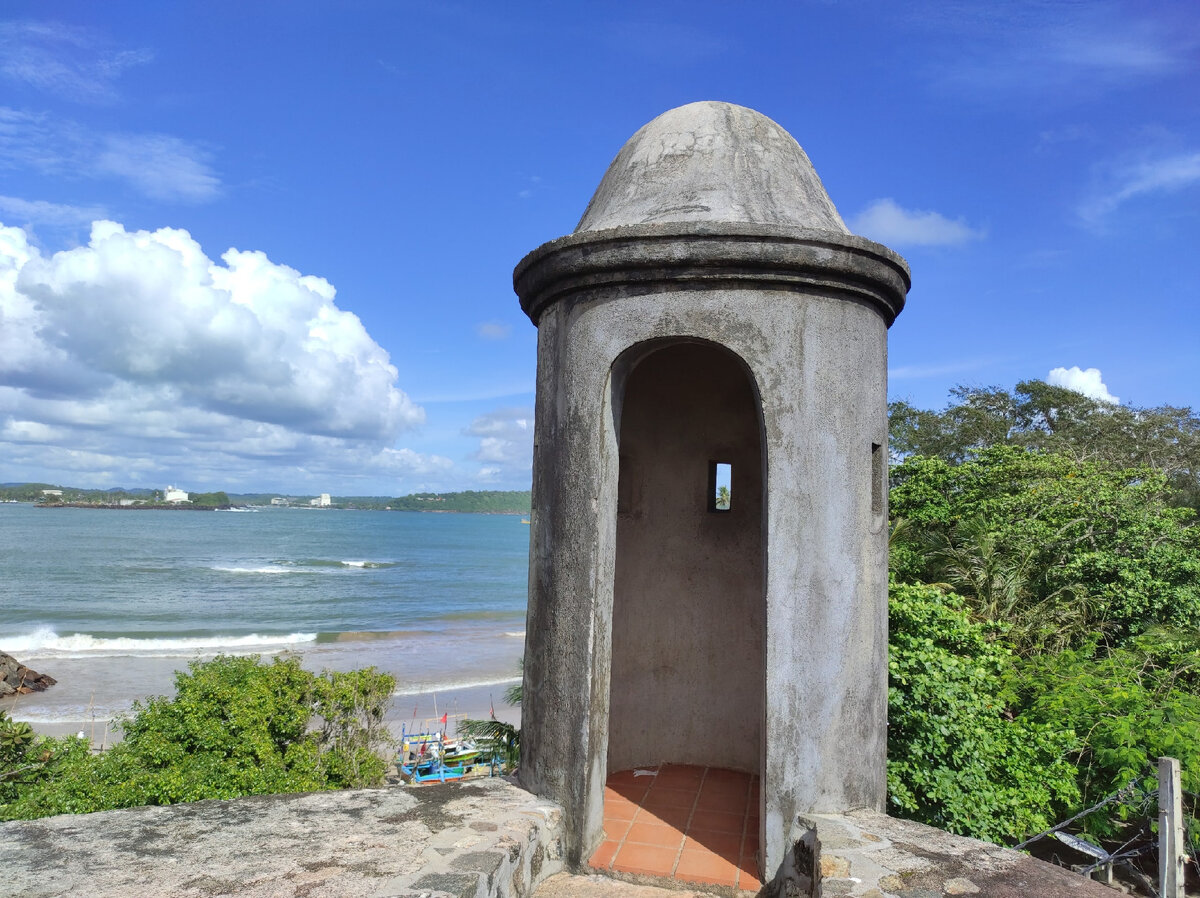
{"points": [[484, 502], [32, 492]]}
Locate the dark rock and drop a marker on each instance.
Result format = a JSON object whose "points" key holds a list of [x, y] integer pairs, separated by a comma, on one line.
{"points": [[15, 677]]}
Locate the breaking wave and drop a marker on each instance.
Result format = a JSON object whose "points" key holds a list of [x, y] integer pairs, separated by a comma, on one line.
{"points": [[45, 643]]}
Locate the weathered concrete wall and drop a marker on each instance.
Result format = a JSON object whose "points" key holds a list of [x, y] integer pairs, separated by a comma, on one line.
{"points": [[826, 558], [688, 608], [710, 226]]}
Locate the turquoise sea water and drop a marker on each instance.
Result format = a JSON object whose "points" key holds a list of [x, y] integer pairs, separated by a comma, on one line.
{"points": [[111, 602]]}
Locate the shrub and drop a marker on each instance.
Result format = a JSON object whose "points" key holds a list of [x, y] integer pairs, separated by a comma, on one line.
{"points": [[236, 726], [956, 759]]}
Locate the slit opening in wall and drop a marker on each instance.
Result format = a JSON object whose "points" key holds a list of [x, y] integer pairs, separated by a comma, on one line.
{"points": [[720, 486], [877, 474]]}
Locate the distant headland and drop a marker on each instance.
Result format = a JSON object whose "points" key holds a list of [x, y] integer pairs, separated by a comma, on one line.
{"points": [[47, 495]]}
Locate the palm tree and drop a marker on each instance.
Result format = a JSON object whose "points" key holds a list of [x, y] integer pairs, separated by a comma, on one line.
{"points": [[503, 739], [998, 584]]}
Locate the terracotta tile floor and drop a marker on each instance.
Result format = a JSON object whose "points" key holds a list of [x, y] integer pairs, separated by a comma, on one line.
{"points": [[698, 824]]}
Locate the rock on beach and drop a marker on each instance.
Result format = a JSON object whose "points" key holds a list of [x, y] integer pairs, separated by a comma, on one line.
{"points": [[16, 678]]}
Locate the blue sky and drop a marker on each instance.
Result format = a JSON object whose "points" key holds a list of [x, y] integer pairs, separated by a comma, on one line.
{"points": [[309, 212]]}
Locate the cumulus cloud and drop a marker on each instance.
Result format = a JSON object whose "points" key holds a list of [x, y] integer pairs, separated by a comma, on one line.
{"points": [[139, 345], [71, 62], [887, 222], [1086, 381], [159, 166], [1165, 175], [505, 441]]}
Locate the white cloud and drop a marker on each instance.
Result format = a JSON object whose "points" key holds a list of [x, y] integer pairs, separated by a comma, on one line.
{"points": [[886, 222], [1058, 49], [156, 165], [71, 62], [1086, 381], [35, 212], [1166, 175], [505, 440], [161, 167], [493, 330], [142, 355]]}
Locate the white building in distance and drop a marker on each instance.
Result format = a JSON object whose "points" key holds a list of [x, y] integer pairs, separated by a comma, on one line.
{"points": [[173, 494], [322, 501]]}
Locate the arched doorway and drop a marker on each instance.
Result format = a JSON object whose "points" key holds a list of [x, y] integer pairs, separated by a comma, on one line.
{"points": [[687, 675]]}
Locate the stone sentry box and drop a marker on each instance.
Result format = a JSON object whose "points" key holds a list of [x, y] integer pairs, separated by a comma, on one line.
{"points": [[710, 308]]}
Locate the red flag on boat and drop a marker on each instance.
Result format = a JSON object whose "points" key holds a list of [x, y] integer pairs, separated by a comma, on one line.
{"points": [[444, 718], [492, 704]]}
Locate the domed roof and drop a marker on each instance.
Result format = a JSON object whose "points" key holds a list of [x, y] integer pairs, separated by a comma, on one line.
{"points": [[715, 162]]}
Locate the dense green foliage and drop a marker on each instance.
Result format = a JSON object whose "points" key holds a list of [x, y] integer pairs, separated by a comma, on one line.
{"points": [[955, 760], [1039, 416], [485, 501], [1052, 546], [218, 499], [236, 726], [1126, 705], [1045, 608]]}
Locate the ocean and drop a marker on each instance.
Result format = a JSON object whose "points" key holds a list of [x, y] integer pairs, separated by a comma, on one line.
{"points": [[111, 603]]}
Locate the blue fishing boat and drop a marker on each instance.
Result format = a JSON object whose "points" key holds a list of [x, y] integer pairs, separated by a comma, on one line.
{"points": [[431, 757]]}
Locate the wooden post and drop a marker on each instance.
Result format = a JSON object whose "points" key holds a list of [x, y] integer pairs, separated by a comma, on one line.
{"points": [[1170, 830]]}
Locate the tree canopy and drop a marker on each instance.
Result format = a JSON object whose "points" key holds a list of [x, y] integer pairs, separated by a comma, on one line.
{"points": [[1045, 607], [1038, 415]]}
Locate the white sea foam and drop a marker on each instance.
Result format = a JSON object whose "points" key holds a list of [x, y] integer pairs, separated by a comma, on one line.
{"points": [[45, 643], [262, 569], [424, 689], [517, 633], [69, 714]]}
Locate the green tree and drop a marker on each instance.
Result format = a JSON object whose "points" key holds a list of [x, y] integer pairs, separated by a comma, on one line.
{"points": [[1080, 532], [956, 759], [1128, 706], [1085, 577], [1037, 415]]}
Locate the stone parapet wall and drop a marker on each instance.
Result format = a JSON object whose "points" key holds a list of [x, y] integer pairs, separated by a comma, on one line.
{"points": [[484, 839]]}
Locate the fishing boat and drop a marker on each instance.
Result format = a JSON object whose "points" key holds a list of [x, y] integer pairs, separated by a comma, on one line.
{"points": [[432, 770], [431, 757]]}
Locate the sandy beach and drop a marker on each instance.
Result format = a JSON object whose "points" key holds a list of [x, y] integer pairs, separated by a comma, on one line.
{"points": [[413, 712]]}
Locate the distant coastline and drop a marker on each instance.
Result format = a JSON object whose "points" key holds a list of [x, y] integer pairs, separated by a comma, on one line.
{"points": [[138, 507], [45, 495]]}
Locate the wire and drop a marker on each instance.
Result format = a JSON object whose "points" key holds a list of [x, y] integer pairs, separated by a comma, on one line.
{"points": [[1119, 795]]}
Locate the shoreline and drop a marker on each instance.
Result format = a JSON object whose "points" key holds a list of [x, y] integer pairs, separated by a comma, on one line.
{"points": [[409, 712]]}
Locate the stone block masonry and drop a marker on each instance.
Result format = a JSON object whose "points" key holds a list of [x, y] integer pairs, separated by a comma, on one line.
{"points": [[479, 840]]}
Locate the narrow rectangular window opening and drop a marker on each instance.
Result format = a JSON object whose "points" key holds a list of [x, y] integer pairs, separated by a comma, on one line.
{"points": [[720, 486], [877, 475]]}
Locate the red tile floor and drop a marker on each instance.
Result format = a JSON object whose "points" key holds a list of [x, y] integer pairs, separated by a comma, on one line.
{"points": [[697, 824]]}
